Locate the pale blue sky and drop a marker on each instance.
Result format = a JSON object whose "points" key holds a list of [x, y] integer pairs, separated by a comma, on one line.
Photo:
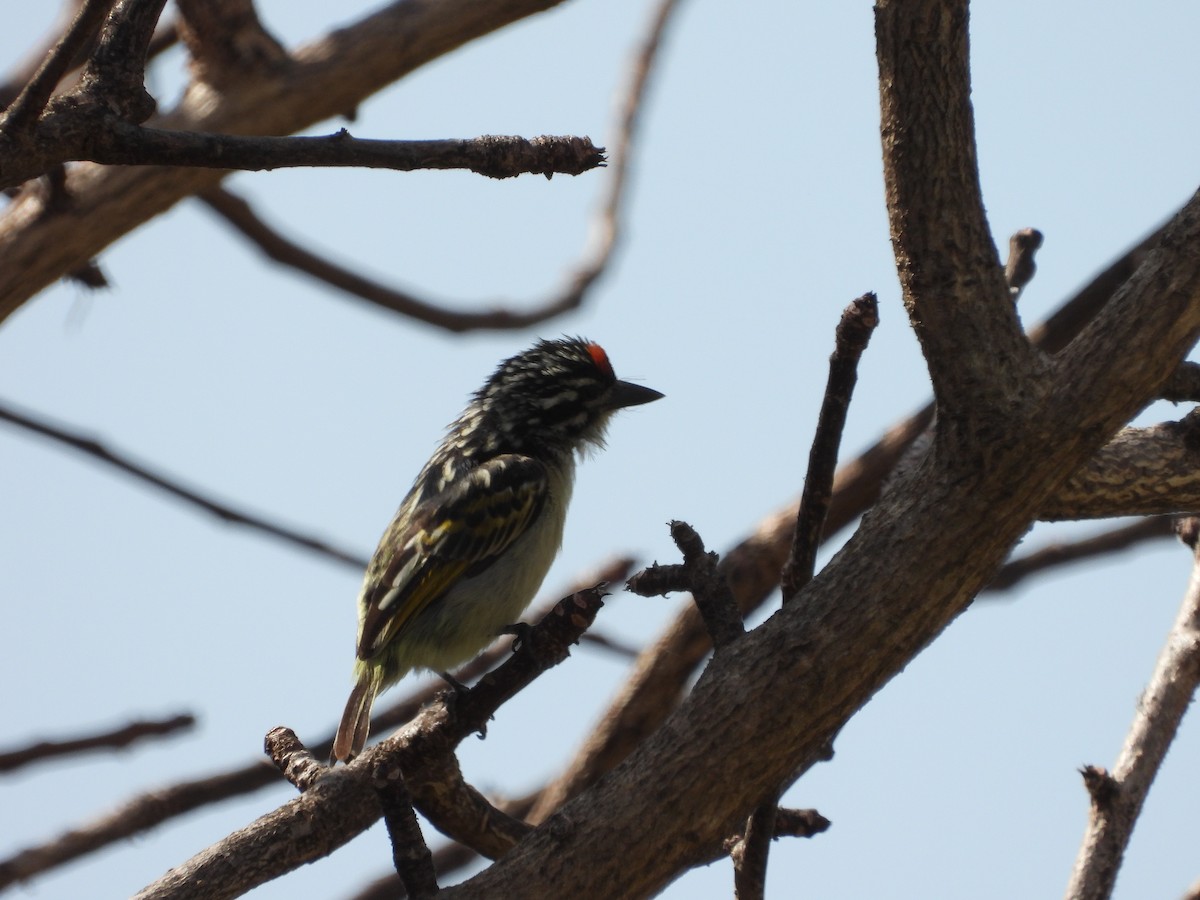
{"points": [[756, 215]]}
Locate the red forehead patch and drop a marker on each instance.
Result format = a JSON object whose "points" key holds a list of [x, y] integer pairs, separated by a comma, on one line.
{"points": [[600, 358]]}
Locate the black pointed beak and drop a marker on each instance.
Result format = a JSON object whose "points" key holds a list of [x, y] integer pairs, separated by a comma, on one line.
{"points": [[626, 394]]}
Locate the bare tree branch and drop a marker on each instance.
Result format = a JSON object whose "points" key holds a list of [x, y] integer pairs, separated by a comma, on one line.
{"points": [[97, 450], [496, 156], [751, 852], [605, 227], [114, 77], [165, 37], [227, 42], [116, 739], [1117, 798], [656, 681], [854, 331], [699, 575], [1015, 571], [343, 803], [1140, 472], [238, 213], [29, 104], [155, 807], [410, 855], [953, 283], [326, 78]]}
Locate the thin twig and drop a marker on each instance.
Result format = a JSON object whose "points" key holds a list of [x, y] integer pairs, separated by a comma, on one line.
{"points": [[238, 213], [750, 855], [854, 331], [116, 739], [29, 104], [606, 226], [1117, 797], [1051, 556], [119, 460], [700, 576], [496, 156]]}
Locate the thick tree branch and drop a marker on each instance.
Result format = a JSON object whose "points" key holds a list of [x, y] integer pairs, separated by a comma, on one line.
{"points": [[1140, 472], [888, 592], [461, 812], [1164, 286], [1117, 798], [657, 680], [953, 283]]}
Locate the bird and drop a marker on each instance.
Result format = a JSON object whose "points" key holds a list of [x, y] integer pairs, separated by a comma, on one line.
{"points": [[473, 539]]}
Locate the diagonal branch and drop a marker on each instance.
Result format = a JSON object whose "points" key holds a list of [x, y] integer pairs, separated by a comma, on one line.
{"points": [[97, 450], [1117, 798], [343, 803], [1051, 556], [657, 680], [33, 98]]}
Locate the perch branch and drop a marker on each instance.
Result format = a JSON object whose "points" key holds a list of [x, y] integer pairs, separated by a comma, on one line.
{"points": [[153, 808], [343, 803]]}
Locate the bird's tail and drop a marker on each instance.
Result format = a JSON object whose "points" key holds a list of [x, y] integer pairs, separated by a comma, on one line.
{"points": [[356, 720]]}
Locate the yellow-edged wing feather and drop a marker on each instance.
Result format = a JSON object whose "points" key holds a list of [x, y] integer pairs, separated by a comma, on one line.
{"points": [[456, 534]]}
